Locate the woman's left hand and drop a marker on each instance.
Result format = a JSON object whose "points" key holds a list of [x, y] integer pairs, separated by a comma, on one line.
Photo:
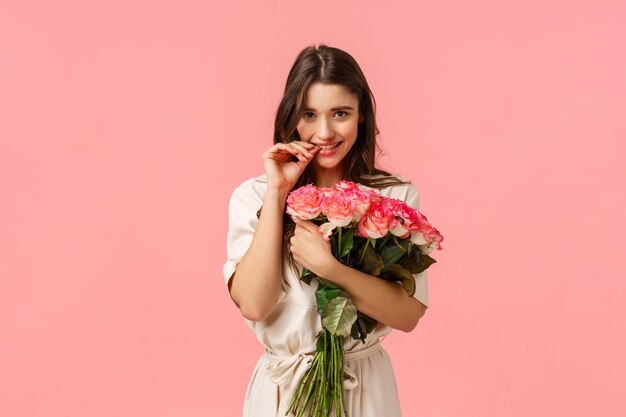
{"points": [[310, 249]]}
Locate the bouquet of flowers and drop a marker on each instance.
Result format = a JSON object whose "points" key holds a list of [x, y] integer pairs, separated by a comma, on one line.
{"points": [[380, 236]]}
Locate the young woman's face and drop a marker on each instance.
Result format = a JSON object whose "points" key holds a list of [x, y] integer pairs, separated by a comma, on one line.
{"points": [[330, 118]]}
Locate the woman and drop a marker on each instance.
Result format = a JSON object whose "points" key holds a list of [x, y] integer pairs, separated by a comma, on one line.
{"points": [[325, 131]]}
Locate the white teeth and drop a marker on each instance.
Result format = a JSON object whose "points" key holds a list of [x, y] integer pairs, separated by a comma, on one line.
{"points": [[326, 148]]}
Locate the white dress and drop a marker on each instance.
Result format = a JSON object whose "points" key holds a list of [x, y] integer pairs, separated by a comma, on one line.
{"points": [[288, 335]]}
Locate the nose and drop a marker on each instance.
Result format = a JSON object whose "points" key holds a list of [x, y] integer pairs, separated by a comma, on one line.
{"points": [[325, 130]]}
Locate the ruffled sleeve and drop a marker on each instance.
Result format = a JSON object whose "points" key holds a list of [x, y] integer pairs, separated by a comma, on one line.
{"points": [[421, 279], [242, 221]]}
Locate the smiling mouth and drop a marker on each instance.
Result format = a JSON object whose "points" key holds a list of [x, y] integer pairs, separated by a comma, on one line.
{"points": [[327, 148]]}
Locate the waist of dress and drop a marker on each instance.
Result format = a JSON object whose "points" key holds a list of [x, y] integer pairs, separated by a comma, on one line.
{"points": [[282, 368], [348, 355]]}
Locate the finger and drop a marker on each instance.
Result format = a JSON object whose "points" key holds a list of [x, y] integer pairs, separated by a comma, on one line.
{"points": [[282, 148], [305, 224], [301, 152], [298, 221], [302, 148], [309, 147]]}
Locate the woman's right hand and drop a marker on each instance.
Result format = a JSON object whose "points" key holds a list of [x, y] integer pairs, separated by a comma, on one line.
{"points": [[283, 173]]}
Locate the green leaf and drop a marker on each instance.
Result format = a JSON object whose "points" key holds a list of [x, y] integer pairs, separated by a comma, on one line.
{"points": [[391, 255], [323, 295], [326, 283], [354, 332], [370, 324], [347, 241], [387, 276], [404, 275], [372, 262], [339, 316], [362, 325], [409, 263], [359, 242], [307, 276], [422, 261], [409, 285]]}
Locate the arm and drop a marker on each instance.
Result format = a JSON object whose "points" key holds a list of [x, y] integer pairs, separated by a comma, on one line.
{"points": [[384, 301], [387, 302], [256, 245], [257, 285]]}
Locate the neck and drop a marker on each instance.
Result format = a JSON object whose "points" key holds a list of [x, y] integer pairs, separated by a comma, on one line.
{"points": [[327, 177]]}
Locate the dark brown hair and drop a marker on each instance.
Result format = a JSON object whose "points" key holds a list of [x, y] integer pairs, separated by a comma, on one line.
{"points": [[330, 65]]}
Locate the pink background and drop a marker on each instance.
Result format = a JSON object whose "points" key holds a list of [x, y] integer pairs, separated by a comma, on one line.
{"points": [[124, 127]]}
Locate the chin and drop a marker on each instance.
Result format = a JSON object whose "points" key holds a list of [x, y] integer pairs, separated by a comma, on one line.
{"points": [[329, 164]]}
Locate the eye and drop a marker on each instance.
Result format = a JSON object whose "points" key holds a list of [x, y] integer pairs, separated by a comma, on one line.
{"points": [[305, 114]]}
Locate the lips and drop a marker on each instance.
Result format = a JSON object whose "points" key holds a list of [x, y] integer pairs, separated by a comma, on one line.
{"points": [[326, 145]]}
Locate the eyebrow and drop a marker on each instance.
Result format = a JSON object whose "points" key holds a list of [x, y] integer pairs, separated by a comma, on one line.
{"points": [[333, 109]]}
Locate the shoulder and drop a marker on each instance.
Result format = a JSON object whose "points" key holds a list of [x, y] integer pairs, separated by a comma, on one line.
{"points": [[253, 183], [250, 190], [404, 192]]}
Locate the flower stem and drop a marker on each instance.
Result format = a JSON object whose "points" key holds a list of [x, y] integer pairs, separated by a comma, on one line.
{"points": [[331, 374], [336, 387], [325, 376], [323, 381], [312, 369], [339, 243], [308, 394], [363, 252], [316, 399]]}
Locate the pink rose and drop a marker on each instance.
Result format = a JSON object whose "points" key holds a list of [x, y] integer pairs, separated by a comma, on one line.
{"points": [[361, 200], [374, 196], [326, 229], [339, 208], [377, 221], [328, 191], [346, 185], [408, 217], [428, 240], [425, 236], [305, 202]]}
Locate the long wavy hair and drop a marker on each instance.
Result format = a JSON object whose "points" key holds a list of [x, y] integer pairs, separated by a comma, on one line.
{"points": [[330, 65]]}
